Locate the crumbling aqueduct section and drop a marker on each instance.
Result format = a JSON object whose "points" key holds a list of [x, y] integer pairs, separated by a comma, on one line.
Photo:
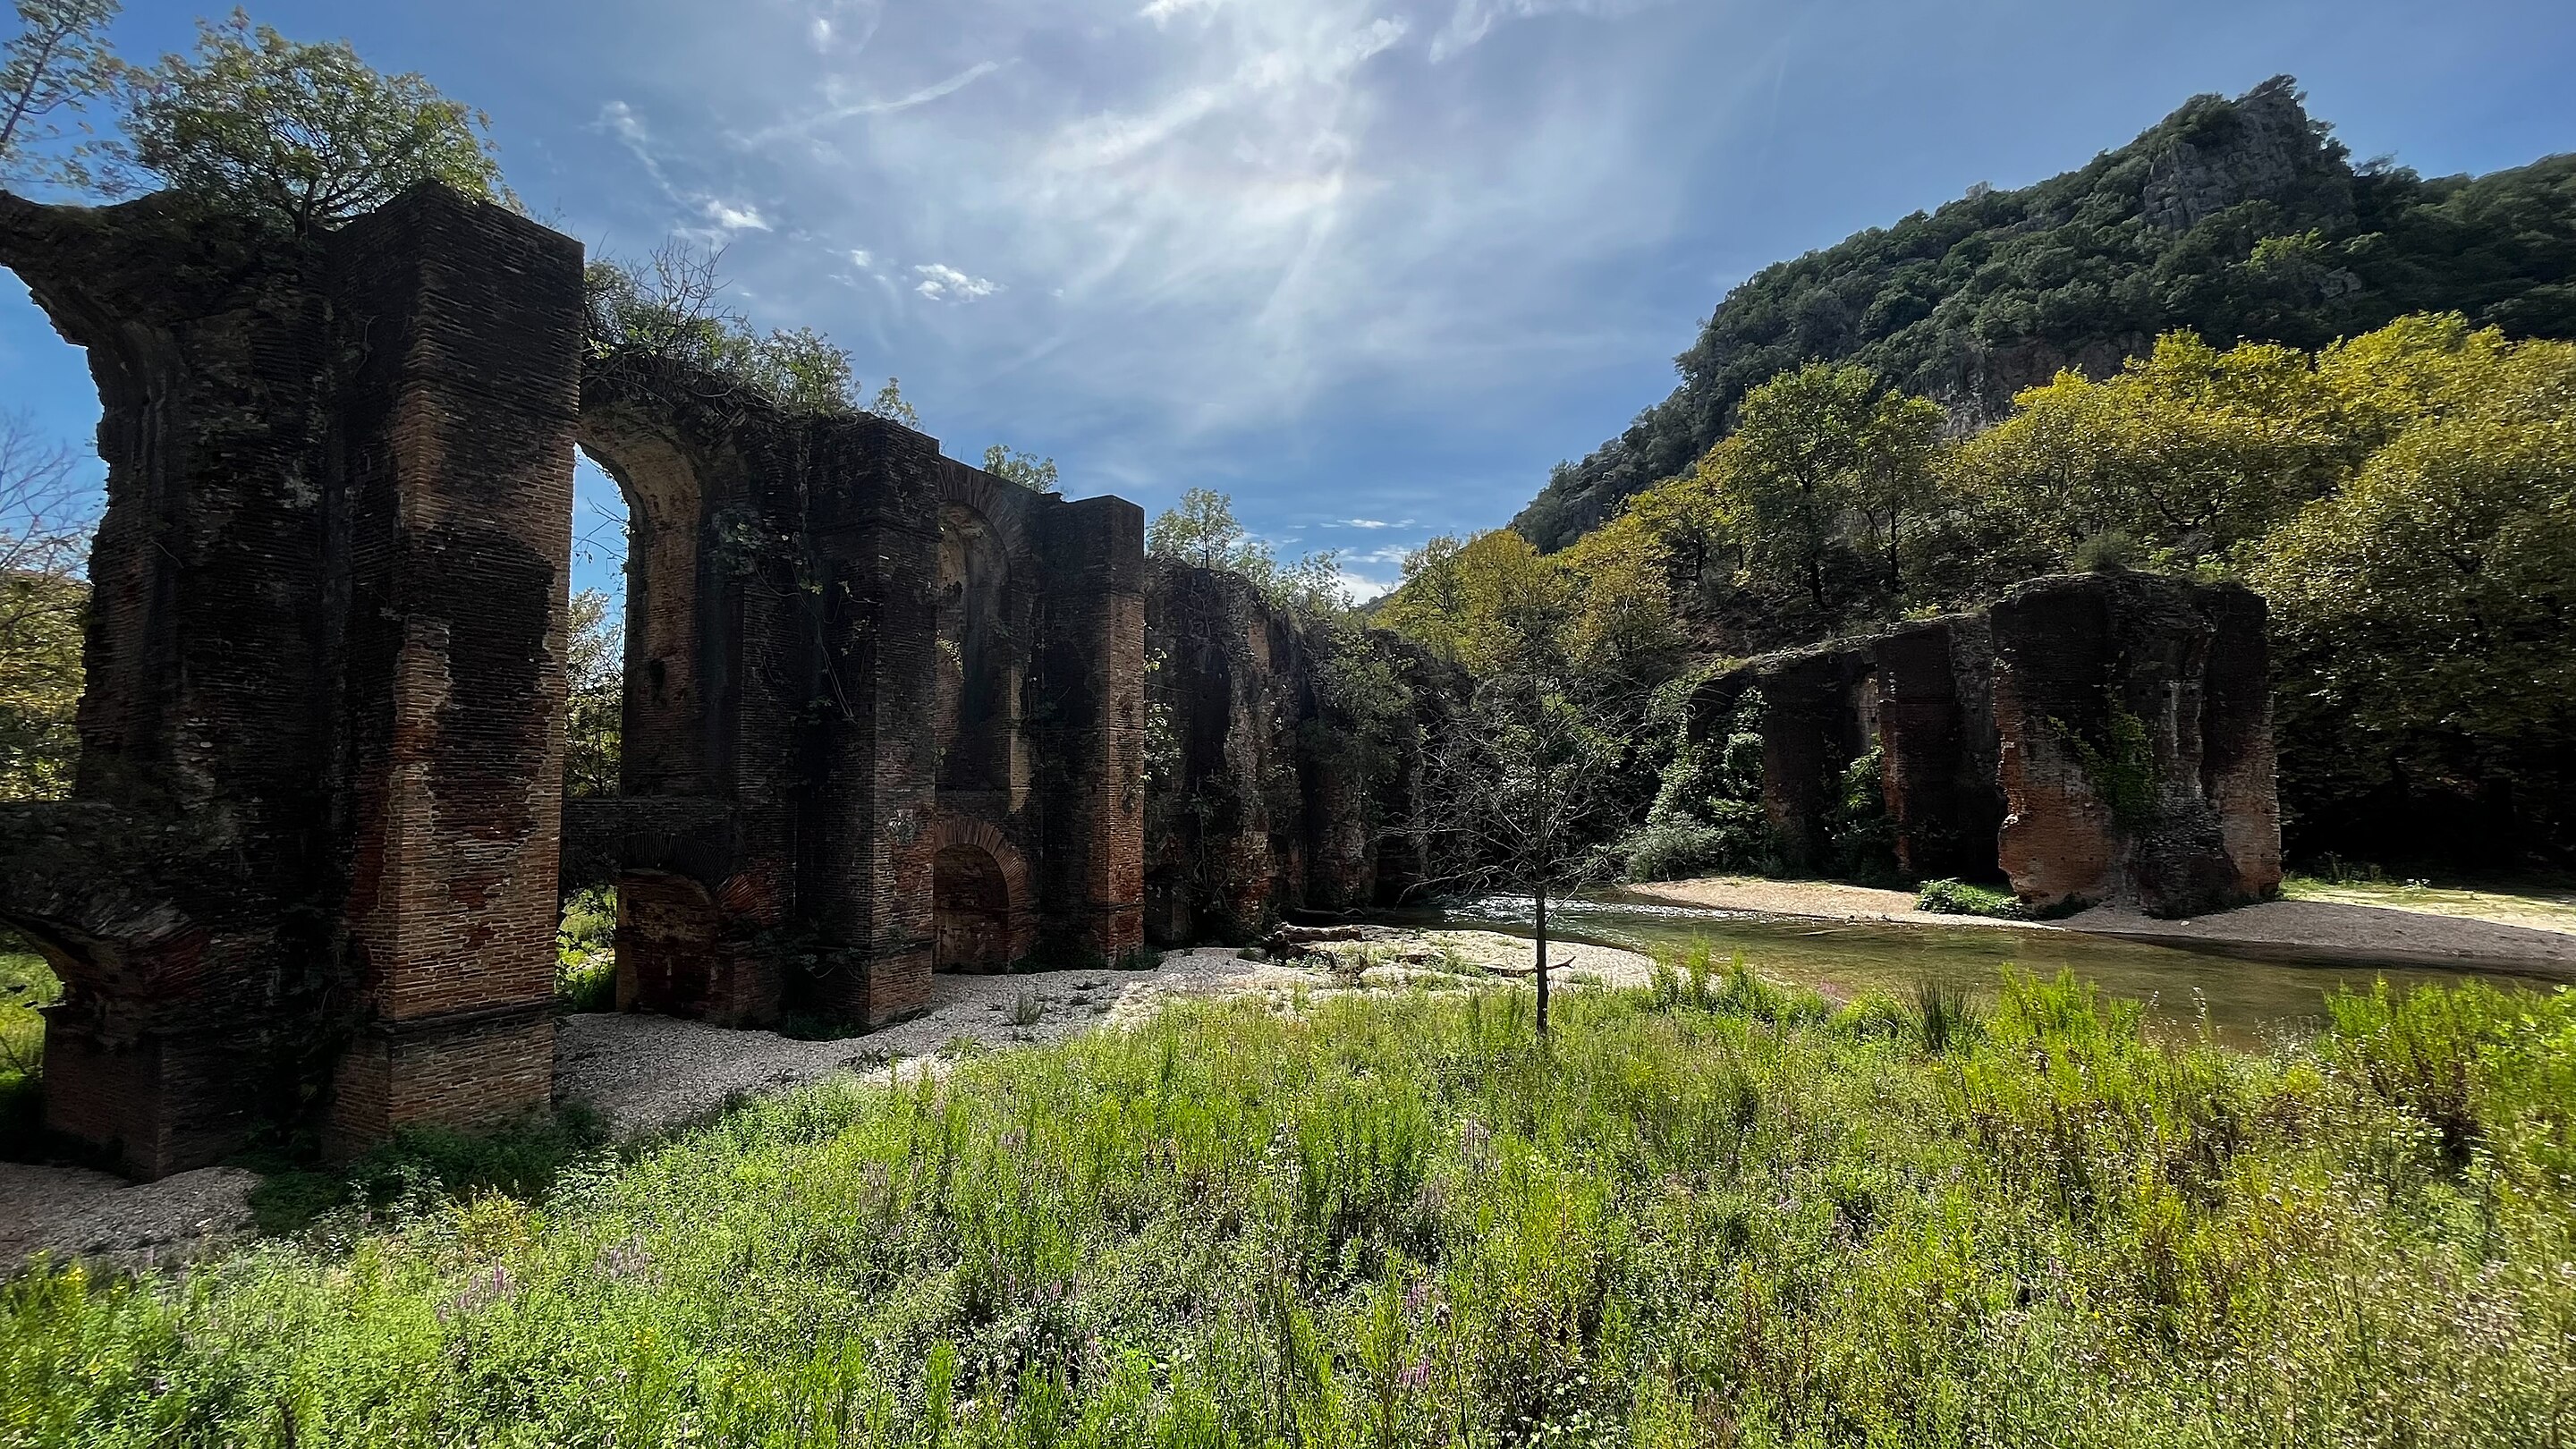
{"points": [[885, 714], [882, 715]]}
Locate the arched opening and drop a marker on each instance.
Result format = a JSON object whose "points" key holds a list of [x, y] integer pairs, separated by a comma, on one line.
{"points": [[632, 718], [978, 714], [970, 909], [53, 487], [595, 665], [636, 533]]}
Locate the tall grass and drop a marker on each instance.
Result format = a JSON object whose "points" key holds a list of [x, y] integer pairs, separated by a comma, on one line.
{"points": [[1713, 1213]]}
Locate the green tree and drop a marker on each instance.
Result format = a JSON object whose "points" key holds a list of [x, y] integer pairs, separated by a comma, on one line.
{"points": [[1036, 474], [1825, 463], [1520, 788], [305, 133], [1200, 530], [2192, 451], [665, 316], [44, 541], [889, 405], [2424, 615], [57, 64], [595, 696]]}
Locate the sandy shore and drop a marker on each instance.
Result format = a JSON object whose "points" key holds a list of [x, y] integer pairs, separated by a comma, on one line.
{"points": [[2524, 939]]}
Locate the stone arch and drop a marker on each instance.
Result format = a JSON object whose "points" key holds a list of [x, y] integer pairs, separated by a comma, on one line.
{"points": [[667, 929], [1003, 504], [981, 912]]}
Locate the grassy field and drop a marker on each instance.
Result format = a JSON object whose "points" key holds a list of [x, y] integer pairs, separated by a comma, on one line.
{"points": [[1713, 1212]]}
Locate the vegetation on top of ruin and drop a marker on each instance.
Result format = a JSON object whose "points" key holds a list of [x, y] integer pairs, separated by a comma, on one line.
{"points": [[2230, 219], [1714, 1210]]}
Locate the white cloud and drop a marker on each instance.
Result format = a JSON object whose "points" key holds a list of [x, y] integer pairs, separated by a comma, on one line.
{"points": [[863, 259], [1363, 589], [728, 217], [1375, 523], [947, 284]]}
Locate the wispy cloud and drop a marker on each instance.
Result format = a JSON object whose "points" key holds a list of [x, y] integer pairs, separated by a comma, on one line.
{"points": [[852, 110], [720, 218], [1183, 225]]}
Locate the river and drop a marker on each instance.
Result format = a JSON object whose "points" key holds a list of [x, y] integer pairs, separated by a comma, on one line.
{"points": [[2243, 999]]}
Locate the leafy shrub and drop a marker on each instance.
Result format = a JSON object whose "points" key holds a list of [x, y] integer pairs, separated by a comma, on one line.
{"points": [[420, 1169], [2121, 767], [1950, 896], [1708, 814], [1857, 829], [586, 951], [1674, 850]]}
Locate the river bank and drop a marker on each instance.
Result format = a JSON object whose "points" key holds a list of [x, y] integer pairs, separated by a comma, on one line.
{"points": [[2456, 930]]}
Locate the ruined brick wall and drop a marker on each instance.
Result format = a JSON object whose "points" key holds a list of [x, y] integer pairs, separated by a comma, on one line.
{"points": [[1223, 819], [2091, 738], [883, 659], [875, 700], [312, 845], [1258, 802]]}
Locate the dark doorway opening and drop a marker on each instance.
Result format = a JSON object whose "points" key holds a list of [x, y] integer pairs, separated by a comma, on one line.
{"points": [[971, 909]]}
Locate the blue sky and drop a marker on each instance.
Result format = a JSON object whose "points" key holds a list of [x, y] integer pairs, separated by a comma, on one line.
{"points": [[1370, 266]]}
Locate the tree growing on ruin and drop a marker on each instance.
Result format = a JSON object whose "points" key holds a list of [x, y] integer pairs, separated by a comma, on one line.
{"points": [[305, 133], [667, 317], [57, 64], [1036, 474], [1201, 531]]}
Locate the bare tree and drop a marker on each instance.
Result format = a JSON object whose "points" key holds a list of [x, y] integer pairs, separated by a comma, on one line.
{"points": [[1519, 790], [46, 517]]}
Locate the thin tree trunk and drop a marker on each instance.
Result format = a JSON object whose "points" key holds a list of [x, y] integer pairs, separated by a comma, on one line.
{"points": [[1542, 960]]}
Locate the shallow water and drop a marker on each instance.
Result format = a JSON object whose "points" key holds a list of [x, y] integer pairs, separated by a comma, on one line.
{"points": [[2243, 999]]}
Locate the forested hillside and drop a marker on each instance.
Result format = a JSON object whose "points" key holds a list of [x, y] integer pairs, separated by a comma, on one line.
{"points": [[2239, 219]]}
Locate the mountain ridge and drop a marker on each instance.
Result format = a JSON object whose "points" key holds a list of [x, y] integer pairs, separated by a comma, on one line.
{"points": [[2239, 219]]}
